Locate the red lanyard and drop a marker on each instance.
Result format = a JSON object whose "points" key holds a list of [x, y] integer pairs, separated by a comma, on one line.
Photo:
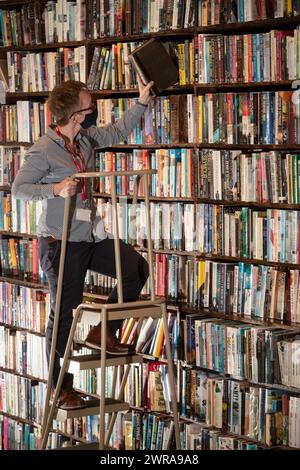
{"points": [[81, 168]]}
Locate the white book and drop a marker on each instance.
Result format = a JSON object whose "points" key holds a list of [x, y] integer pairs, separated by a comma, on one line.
{"points": [[145, 332]]}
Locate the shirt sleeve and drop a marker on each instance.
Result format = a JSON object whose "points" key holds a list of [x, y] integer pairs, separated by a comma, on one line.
{"points": [[112, 134], [27, 184]]}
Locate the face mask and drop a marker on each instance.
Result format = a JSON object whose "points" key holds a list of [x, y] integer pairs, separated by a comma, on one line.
{"points": [[90, 119]]}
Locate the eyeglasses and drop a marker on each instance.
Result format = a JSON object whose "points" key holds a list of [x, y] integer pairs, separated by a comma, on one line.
{"points": [[90, 108]]}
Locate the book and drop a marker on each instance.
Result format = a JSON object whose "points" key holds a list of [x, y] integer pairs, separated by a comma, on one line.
{"points": [[153, 62]]}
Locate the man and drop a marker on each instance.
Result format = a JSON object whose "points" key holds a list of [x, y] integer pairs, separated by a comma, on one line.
{"points": [[65, 149]]}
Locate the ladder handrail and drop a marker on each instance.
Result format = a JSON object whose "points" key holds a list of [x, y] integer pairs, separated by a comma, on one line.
{"points": [[95, 174]]}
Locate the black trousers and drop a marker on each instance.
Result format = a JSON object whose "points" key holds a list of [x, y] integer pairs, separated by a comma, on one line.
{"points": [[81, 256]]}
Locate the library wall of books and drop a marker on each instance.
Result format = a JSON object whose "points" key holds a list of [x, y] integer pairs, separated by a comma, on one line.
{"points": [[225, 214]]}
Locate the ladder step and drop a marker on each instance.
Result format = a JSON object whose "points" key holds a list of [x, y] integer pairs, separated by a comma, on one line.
{"points": [[111, 406], [93, 317], [92, 361]]}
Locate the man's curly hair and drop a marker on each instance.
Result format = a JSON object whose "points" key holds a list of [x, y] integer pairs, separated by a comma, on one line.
{"points": [[64, 100]]}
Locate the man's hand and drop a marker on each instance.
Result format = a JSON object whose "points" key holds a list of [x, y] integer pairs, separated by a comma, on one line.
{"points": [[65, 188], [144, 90]]}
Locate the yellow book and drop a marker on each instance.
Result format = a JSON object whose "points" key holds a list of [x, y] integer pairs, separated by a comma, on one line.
{"points": [[159, 340], [13, 256], [127, 330], [192, 63], [289, 7], [181, 62], [200, 118]]}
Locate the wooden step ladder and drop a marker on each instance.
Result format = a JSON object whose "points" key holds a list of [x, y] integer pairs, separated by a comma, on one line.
{"points": [[94, 314]]}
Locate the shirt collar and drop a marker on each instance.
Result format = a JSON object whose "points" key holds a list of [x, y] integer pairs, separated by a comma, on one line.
{"points": [[52, 134]]}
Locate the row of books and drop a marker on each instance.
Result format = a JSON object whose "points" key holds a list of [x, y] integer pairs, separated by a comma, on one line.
{"points": [[18, 215], [260, 57], [22, 397], [239, 349], [273, 176], [89, 381], [64, 21], [214, 174], [11, 160], [41, 71], [271, 234], [15, 435], [150, 338], [32, 24], [23, 352], [267, 416], [24, 121], [166, 119], [288, 353], [238, 11], [253, 291], [241, 118], [84, 427], [248, 290], [232, 118], [148, 387], [172, 225], [152, 432], [123, 18], [196, 436], [174, 167], [248, 118], [251, 177], [24, 307], [112, 70], [21, 26], [19, 258]]}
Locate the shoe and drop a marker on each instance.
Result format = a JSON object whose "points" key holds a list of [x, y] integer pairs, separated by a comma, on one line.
{"points": [[113, 346], [70, 400]]}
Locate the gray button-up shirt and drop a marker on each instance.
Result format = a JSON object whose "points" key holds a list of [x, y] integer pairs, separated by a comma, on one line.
{"points": [[48, 162]]}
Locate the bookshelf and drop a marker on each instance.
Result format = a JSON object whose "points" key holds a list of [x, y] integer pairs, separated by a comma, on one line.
{"points": [[180, 307]]}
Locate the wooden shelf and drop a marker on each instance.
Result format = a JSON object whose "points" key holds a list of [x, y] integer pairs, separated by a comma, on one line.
{"points": [[250, 147], [26, 94], [25, 376], [169, 34], [5, 188], [22, 282], [20, 328], [241, 319], [16, 144], [14, 3], [20, 420], [253, 205], [234, 86], [216, 202], [9, 233], [151, 198], [204, 145], [134, 91], [229, 259], [42, 47], [251, 26], [151, 146], [283, 388]]}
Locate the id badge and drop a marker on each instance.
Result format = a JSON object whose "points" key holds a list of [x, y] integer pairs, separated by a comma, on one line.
{"points": [[83, 214]]}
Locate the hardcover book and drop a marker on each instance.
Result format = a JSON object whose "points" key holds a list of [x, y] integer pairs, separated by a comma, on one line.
{"points": [[153, 62]]}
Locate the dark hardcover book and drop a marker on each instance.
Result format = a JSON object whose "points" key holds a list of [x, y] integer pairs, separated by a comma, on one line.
{"points": [[152, 62]]}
